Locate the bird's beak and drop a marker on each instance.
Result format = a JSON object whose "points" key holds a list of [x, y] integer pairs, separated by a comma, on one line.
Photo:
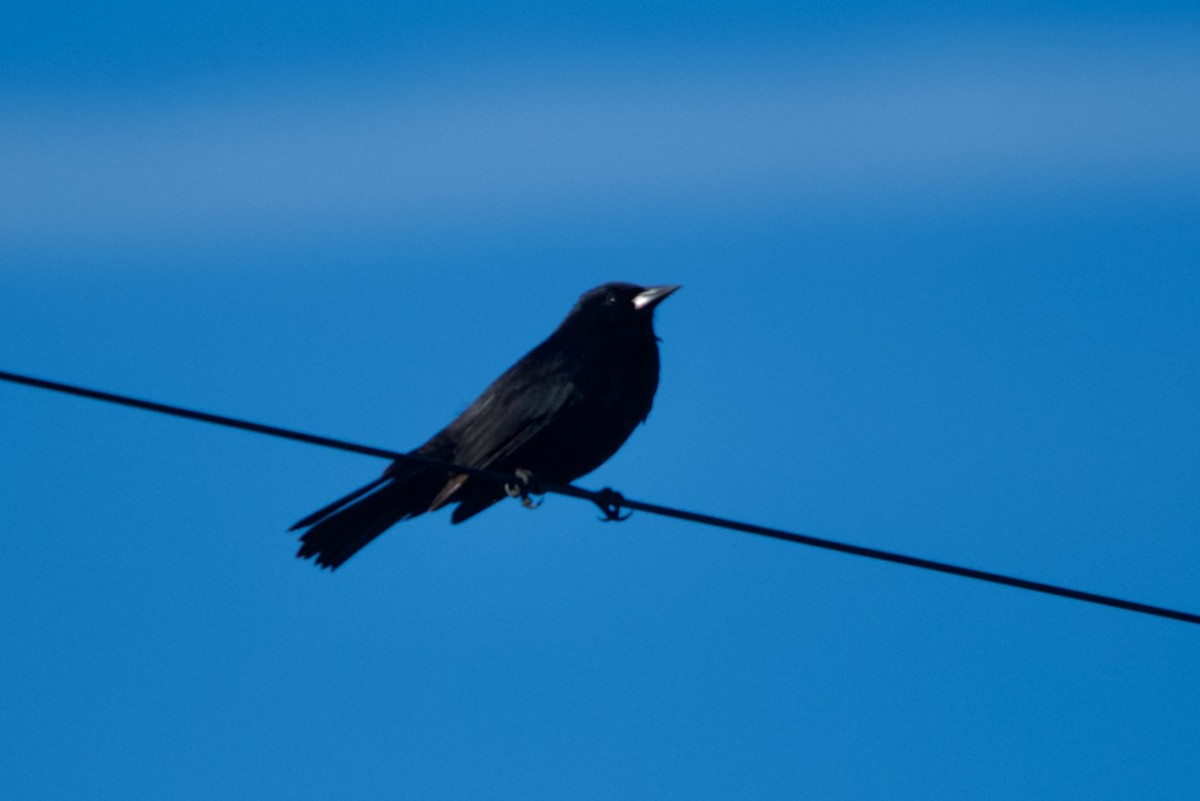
{"points": [[651, 296]]}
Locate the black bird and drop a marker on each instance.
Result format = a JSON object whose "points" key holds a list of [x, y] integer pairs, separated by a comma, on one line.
{"points": [[558, 413]]}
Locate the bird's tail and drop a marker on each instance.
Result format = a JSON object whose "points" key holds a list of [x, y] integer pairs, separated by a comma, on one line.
{"points": [[344, 527]]}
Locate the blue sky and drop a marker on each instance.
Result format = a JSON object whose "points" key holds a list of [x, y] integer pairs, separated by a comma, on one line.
{"points": [[940, 296]]}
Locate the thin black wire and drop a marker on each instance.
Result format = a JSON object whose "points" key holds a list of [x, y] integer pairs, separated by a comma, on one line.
{"points": [[245, 425], [611, 502]]}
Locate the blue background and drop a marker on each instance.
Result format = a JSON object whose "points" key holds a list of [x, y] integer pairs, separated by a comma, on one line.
{"points": [[941, 297]]}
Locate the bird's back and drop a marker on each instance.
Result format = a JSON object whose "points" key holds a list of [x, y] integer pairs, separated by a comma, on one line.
{"points": [[563, 409]]}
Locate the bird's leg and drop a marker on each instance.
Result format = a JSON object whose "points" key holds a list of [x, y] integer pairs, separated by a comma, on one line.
{"points": [[611, 502], [529, 485]]}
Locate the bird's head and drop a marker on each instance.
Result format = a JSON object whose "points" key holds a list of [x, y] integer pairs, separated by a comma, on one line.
{"points": [[619, 305]]}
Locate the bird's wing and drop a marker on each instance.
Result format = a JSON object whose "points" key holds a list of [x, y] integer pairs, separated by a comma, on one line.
{"points": [[505, 418], [532, 394]]}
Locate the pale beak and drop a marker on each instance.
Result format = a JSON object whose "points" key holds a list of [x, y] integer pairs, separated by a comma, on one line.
{"points": [[651, 296]]}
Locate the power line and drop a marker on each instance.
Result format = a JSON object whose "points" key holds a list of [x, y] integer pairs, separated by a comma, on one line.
{"points": [[610, 502], [246, 425]]}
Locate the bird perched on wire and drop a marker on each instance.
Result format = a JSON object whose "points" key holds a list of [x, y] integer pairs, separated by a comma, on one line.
{"points": [[557, 414]]}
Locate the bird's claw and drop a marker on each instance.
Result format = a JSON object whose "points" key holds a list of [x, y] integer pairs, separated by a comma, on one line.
{"points": [[611, 503], [527, 486]]}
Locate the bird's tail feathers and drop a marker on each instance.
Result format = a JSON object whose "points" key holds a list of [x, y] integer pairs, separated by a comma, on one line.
{"points": [[344, 527], [326, 511]]}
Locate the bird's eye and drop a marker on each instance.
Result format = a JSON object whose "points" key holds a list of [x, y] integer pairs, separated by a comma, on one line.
{"points": [[610, 299]]}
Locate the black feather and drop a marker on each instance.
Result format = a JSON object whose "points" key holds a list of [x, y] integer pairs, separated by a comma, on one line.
{"points": [[560, 412]]}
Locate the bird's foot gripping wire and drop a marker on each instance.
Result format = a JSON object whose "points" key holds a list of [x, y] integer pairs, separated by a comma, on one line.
{"points": [[611, 503], [528, 486]]}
